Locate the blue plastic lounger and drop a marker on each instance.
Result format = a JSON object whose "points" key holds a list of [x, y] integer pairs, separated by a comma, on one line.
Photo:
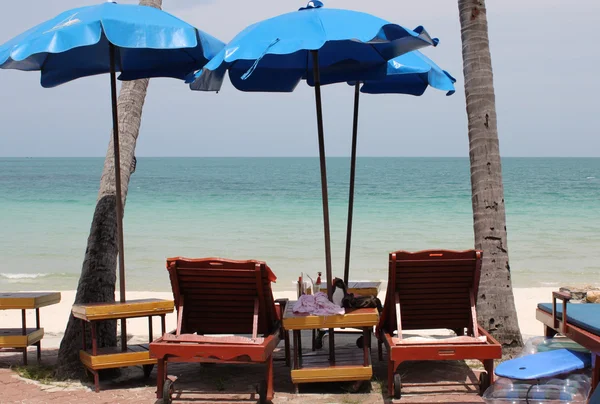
{"points": [[579, 322], [595, 398], [544, 364]]}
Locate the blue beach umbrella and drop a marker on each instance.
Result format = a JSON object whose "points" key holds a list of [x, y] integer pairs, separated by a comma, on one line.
{"points": [[410, 74], [316, 44], [137, 41]]}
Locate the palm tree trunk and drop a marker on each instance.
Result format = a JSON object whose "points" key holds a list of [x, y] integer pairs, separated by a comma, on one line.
{"points": [[495, 303], [98, 274]]}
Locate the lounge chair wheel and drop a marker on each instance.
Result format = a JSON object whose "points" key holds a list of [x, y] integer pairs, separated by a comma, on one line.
{"points": [[167, 391], [147, 370], [397, 386], [262, 392], [484, 382]]}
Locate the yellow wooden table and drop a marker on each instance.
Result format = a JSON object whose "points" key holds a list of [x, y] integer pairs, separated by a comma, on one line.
{"points": [[342, 365], [364, 288], [20, 338], [95, 358]]}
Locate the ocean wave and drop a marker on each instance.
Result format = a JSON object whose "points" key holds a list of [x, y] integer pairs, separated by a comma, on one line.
{"points": [[17, 277]]}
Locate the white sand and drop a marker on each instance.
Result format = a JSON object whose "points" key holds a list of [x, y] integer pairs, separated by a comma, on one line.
{"points": [[54, 318]]}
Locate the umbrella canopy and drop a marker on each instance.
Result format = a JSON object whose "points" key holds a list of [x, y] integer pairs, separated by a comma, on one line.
{"points": [[274, 55], [138, 41], [148, 43], [411, 74], [315, 44]]}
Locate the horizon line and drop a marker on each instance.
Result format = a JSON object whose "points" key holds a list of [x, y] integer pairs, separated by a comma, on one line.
{"points": [[260, 157]]}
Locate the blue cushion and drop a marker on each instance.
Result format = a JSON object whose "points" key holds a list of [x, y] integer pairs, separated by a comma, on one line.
{"points": [[582, 315]]}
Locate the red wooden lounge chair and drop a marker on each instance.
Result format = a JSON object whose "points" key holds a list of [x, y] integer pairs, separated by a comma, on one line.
{"points": [[218, 296], [431, 290], [579, 322]]}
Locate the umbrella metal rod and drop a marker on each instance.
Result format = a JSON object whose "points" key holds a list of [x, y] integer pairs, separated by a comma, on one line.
{"points": [[352, 177], [119, 201], [325, 195]]}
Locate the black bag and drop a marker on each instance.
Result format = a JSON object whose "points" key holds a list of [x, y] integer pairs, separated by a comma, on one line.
{"points": [[356, 302]]}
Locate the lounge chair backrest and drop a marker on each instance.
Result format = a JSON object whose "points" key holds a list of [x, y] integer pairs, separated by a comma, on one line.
{"points": [[219, 295], [433, 289]]}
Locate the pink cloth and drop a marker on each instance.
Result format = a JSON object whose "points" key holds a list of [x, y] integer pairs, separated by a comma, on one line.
{"points": [[318, 305]]}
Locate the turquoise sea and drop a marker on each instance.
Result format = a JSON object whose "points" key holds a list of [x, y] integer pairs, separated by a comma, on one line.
{"points": [[270, 209]]}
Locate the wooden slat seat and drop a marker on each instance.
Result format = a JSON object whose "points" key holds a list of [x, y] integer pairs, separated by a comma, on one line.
{"points": [[434, 289], [220, 296]]}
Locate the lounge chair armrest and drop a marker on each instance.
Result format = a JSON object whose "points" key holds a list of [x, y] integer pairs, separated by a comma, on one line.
{"points": [[565, 296], [282, 304]]}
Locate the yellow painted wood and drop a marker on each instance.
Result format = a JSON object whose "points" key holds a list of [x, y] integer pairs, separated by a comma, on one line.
{"points": [[28, 300], [332, 374], [364, 288], [129, 309], [13, 338], [354, 318], [114, 358]]}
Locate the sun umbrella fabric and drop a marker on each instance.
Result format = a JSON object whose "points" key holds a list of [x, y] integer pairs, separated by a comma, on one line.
{"points": [[275, 54], [411, 74], [148, 43]]}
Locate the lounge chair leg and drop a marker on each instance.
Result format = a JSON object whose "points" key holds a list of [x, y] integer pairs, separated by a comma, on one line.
{"points": [[488, 364], [160, 378], [286, 341], [270, 378], [549, 332], [390, 382]]}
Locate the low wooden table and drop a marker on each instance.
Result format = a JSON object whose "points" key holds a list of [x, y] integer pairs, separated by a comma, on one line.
{"points": [[342, 365], [20, 338], [95, 359]]}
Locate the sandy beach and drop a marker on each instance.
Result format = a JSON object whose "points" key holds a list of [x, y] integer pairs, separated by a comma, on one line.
{"points": [[54, 318]]}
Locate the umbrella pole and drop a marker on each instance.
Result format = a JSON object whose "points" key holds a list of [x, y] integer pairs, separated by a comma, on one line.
{"points": [[352, 176], [119, 200], [324, 193]]}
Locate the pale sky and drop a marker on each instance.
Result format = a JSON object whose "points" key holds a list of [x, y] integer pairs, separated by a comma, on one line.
{"points": [[544, 55]]}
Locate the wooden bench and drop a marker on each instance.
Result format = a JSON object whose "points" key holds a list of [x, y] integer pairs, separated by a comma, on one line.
{"points": [[18, 339], [94, 358]]}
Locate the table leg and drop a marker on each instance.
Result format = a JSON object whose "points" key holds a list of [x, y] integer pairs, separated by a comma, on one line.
{"points": [[300, 347], [150, 336], [83, 341], [37, 326], [123, 335], [163, 324], [296, 359], [366, 346], [331, 345], [96, 380], [314, 337], [24, 330], [94, 340]]}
